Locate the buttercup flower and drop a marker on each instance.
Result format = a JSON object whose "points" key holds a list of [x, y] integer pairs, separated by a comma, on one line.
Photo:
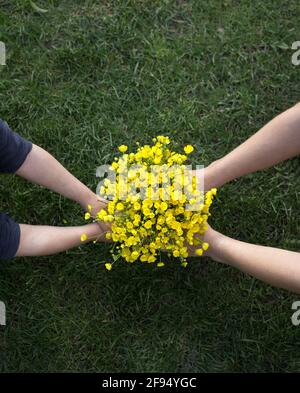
{"points": [[188, 149], [160, 210], [83, 237], [205, 246], [123, 148]]}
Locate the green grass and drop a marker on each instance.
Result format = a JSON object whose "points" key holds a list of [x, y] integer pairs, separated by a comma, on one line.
{"points": [[87, 76]]}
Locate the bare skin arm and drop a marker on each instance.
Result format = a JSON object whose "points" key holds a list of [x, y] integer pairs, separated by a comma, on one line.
{"points": [[37, 240], [277, 267], [42, 168], [275, 142]]}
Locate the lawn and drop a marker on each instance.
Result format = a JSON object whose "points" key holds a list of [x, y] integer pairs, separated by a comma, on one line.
{"points": [[87, 76]]}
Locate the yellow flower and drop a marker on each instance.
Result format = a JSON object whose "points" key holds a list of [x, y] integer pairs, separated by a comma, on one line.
{"points": [[87, 216], [163, 139], [188, 149], [108, 218], [129, 225], [90, 207], [137, 206], [110, 208], [148, 224], [83, 237], [108, 266], [123, 148], [205, 246], [143, 227], [101, 214], [160, 220], [147, 203], [164, 206], [135, 254], [120, 206]]}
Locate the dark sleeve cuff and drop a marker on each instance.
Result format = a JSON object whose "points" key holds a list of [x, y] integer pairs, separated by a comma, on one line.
{"points": [[9, 237], [13, 149]]}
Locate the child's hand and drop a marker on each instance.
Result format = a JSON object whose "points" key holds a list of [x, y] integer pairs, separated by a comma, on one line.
{"points": [[94, 204], [209, 175], [211, 237]]}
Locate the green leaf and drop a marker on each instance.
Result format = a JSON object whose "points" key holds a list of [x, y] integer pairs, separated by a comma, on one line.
{"points": [[36, 8]]}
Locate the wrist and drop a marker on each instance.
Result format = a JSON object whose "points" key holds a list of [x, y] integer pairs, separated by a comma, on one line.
{"points": [[216, 242], [90, 231], [93, 201], [85, 198], [213, 175]]}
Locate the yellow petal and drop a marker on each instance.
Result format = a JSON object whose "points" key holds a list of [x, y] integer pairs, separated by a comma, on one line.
{"points": [[83, 237]]}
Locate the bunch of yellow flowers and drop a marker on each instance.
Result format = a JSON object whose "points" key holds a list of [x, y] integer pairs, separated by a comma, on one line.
{"points": [[154, 206]]}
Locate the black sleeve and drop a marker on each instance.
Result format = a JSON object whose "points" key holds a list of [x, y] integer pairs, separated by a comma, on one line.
{"points": [[13, 149], [9, 237]]}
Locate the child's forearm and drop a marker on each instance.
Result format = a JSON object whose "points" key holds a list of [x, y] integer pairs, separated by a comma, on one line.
{"points": [[275, 142], [42, 168], [277, 267], [39, 240]]}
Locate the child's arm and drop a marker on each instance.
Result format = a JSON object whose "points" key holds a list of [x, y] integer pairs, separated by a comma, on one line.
{"points": [[277, 267], [42, 168], [36, 240], [275, 142]]}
